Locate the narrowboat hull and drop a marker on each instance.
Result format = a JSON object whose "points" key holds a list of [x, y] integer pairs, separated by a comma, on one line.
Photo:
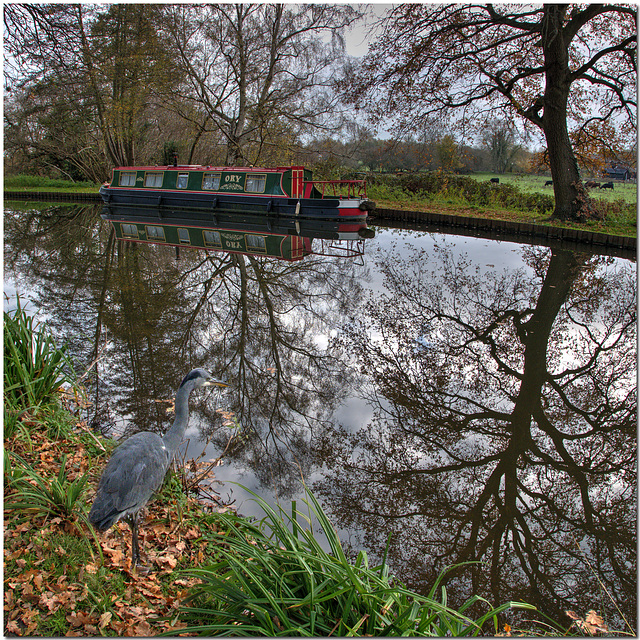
{"points": [[204, 205], [206, 193]]}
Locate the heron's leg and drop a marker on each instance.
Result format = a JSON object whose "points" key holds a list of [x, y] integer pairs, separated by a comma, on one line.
{"points": [[135, 549], [132, 521]]}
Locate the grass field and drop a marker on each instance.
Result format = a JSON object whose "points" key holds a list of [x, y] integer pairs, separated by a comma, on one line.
{"points": [[517, 198], [39, 183], [625, 191]]}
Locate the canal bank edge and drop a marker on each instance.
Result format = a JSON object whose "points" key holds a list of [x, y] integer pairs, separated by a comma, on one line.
{"points": [[479, 225], [496, 229]]}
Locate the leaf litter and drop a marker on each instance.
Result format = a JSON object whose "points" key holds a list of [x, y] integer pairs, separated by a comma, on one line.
{"points": [[148, 604]]}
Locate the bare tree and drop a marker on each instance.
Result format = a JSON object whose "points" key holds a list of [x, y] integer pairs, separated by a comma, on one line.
{"points": [[500, 140], [260, 72], [80, 80]]}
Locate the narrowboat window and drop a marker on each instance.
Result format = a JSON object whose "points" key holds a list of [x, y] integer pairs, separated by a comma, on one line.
{"points": [[127, 179], [183, 179], [212, 239], [153, 180], [256, 183], [211, 181], [256, 243], [155, 233], [129, 230], [183, 236]]}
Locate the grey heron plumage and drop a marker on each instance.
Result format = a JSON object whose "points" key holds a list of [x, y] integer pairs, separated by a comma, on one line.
{"points": [[138, 466]]}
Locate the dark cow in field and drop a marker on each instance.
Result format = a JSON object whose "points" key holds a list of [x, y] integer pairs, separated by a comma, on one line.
{"points": [[494, 180], [548, 183], [607, 185], [592, 184]]}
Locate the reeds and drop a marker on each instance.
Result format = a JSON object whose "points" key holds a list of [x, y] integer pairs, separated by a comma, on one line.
{"points": [[34, 367], [275, 579]]}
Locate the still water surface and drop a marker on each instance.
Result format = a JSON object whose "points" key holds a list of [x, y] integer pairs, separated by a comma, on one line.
{"points": [[475, 399]]}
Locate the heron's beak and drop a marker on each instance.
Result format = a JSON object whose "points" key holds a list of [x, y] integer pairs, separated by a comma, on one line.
{"points": [[214, 382]]}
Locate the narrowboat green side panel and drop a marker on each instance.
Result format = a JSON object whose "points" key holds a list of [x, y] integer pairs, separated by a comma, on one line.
{"points": [[216, 181]]}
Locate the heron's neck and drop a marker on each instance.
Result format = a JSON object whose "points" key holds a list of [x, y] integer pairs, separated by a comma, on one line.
{"points": [[175, 434]]}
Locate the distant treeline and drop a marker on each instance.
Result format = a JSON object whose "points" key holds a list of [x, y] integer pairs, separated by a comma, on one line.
{"points": [[380, 156]]}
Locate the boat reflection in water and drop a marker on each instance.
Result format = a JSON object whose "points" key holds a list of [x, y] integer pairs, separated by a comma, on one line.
{"points": [[282, 237]]}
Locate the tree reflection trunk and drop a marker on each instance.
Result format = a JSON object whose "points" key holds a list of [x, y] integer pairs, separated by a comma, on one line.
{"points": [[101, 300], [534, 335]]}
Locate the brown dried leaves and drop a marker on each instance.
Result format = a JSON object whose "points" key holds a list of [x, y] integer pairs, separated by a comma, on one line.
{"points": [[591, 625]]}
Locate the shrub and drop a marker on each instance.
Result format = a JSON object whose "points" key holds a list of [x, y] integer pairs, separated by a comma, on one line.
{"points": [[617, 213], [481, 194], [23, 181]]}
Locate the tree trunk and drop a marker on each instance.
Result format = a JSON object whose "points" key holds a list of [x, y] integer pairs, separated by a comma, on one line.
{"points": [[572, 202], [534, 335], [235, 156]]}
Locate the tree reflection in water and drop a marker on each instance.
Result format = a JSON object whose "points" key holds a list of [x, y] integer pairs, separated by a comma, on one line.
{"points": [[504, 428], [255, 321]]}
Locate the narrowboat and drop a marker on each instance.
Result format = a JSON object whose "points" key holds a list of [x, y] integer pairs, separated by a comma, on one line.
{"points": [[205, 192], [285, 238]]}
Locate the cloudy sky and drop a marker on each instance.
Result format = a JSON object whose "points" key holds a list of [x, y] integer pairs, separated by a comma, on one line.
{"points": [[358, 38]]}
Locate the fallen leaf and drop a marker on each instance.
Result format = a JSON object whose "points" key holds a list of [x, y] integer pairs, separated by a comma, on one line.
{"points": [[115, 555], [595, 623], [119, 627], [152, 592], [79, 619], [143, 629], [50, 601], [28, 615], [13, 627]]}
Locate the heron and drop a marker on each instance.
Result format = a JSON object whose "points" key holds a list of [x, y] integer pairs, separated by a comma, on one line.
{"points": [[138, 466]]}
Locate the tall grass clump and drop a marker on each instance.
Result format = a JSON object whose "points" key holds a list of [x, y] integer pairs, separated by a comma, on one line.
{"points": [[36, 496], [34, 367], [275, 579]]}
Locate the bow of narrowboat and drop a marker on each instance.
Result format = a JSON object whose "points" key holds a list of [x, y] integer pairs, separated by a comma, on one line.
{"points": [[206, 192]]}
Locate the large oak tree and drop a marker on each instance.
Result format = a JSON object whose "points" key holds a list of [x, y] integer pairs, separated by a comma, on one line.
{"points": [[562, 68]]}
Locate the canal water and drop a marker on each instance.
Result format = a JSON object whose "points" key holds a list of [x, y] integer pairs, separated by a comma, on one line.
{"points": [[464, 400]]}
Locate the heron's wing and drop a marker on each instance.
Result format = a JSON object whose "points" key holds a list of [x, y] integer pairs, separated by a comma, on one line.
{"points": [[136, 469]]}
